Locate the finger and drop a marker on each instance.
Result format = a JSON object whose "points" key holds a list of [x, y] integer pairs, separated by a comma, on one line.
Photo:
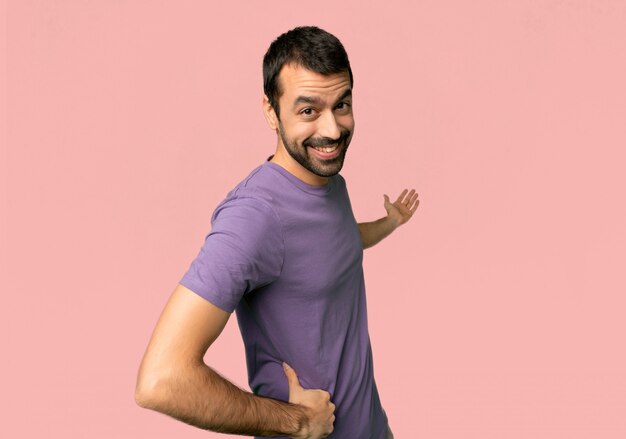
{"points": [[292, 377], [401, 196], [414, 208], [412, 200], [409, 196], [386, 198]]}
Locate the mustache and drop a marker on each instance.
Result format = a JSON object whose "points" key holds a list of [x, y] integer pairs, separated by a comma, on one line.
{"points": [[326, 141]]}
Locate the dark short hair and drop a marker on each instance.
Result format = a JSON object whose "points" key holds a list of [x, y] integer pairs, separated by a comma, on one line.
{"points": [[306, 46]]}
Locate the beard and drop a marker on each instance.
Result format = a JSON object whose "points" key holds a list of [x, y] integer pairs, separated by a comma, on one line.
{"points": [[316, 165]]}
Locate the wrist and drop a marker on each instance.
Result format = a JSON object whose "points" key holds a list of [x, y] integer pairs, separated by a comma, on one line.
{"points": [[301, 422], [394, 222]]}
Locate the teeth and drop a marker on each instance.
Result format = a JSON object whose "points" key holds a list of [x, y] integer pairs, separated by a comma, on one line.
{"points": [[326, 149]]}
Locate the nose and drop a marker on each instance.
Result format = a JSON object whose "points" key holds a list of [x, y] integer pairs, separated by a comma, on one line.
{"points": [[327, 126]]}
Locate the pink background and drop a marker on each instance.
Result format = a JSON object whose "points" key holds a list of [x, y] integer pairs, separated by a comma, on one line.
{"points": [[497, 312]]}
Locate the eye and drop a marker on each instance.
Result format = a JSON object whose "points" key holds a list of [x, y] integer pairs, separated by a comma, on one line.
{"points": [[308, 112], [342, 106]]}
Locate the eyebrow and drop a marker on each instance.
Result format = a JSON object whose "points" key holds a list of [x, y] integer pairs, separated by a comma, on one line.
{"points": [[317, 100]]}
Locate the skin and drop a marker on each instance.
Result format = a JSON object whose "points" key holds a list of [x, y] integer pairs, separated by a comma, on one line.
{"points": [[173, 378], [314, 109], [317, 109]]}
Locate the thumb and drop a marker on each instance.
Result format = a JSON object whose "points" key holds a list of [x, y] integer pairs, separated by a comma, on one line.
{"points": [[387, 202], [292, 377]]}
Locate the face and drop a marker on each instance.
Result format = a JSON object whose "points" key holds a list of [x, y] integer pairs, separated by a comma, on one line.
{"points": [[315, 124]]}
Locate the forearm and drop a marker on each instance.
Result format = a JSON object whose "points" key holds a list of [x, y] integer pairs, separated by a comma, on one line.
{"points": [[199, 396], [374, 232]]}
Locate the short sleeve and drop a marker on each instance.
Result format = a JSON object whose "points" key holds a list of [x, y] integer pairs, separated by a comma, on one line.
{"points": [[243, 251]]}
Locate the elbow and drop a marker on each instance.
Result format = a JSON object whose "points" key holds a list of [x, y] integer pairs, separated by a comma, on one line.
{"points": [[149, 390], [142, 398]]}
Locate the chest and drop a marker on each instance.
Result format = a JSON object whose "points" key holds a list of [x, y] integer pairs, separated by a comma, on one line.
{"points": [[323, 249]]}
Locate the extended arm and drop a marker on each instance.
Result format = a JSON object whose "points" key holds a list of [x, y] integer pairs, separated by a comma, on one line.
{"points": [[398, 213], [173, 379]]}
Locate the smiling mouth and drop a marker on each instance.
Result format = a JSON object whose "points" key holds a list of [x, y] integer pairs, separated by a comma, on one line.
{"points": [[326, 148], [330, 152]]}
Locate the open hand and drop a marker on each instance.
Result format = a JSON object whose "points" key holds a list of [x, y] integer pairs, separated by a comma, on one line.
{"points": [[403, 208]]}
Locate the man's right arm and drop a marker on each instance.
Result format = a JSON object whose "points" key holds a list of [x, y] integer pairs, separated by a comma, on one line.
{"points": [[173, 379]]}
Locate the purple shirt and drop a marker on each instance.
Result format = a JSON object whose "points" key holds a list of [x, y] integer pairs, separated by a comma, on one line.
{"points": [[287, 257]]}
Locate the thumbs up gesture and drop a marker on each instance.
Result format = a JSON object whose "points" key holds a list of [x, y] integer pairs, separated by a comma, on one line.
{"points": [[316, 403]]}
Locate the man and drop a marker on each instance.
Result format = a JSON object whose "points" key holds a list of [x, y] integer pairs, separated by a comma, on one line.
{"points": [[285, 253]]}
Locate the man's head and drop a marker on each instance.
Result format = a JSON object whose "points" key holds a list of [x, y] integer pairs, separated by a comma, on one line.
{"points": [[308, 100], [307, 46]]}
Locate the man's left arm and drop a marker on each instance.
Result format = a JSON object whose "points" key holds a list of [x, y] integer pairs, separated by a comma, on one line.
{"points": [[398, 213]]}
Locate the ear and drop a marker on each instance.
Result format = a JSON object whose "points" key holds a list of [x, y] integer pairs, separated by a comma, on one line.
{"points": [[270, 114]]}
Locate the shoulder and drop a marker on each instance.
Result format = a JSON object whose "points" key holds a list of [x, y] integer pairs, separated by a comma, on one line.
{"points": [[262, 183], [247, 214], [247, 207], [246, 226], [252, 195]]}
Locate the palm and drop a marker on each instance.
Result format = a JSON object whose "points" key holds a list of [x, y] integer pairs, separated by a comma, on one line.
{"points": [[403, 208]]}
